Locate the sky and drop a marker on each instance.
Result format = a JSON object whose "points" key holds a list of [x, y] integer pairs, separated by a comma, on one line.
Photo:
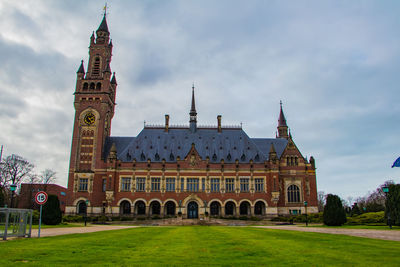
{"points": [[334, 64]]}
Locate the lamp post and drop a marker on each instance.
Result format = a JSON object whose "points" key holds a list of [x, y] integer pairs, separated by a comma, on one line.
{"points": [[385, 189], [13, 187], [180, 206], [87, 204], [305, 207], [205, 207]]}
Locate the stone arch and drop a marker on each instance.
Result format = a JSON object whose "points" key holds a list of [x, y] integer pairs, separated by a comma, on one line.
{"points": [[98, 86], [170, 207], [214, 199], [215, 207], [140, 199], [125, 207], [170, 199], [245, 207], [139, 207], [230, 207], [85, 86], [192, 198], [245, 199], [155, 206], [79, 199], [92, 86], [124, 199], [230, 199], [260, 199], [260, 207]]}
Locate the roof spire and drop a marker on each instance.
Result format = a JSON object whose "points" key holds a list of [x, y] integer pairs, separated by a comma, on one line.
{"points": [[282, 126], [193, 113], [81, 68], [282, 119]]}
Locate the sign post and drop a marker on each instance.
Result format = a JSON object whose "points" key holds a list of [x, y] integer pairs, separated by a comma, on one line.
{"points": [[40, 199]]}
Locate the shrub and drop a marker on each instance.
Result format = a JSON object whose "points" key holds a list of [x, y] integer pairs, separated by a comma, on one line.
{"points": [[253, 218], [35, 217], [155, 217], [73, 218], [243, 218], [367, 218], [334, 214], [51, 213]]}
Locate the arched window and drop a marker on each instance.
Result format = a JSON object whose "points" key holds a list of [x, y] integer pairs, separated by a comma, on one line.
{"points": [[91, 86], [230, 208], [244, 208], [98, 86], [155, 208], [125, 207], [259, 208], [170, 208], [140, 208], [293, 193], [85, 86], [214, 208], [81, 207]]}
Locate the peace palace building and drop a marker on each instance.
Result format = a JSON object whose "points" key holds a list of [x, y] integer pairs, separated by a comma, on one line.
{"points": [[167, 170]]}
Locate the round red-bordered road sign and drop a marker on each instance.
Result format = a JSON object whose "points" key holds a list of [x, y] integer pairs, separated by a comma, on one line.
{"points": [[41, 197]]}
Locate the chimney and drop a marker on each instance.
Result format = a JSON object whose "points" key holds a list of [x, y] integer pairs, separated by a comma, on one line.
{"points": [[219, 123], [166, 122]]}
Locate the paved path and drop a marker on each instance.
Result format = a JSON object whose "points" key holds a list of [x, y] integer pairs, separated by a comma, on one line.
{"points": [[370, 233], [76, 230]]}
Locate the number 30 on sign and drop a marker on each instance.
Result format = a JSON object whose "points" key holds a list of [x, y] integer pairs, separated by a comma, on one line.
{"points": [[41, 197]]}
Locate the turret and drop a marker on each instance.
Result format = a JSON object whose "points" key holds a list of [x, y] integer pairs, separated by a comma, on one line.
{"points": [[282, 126]]}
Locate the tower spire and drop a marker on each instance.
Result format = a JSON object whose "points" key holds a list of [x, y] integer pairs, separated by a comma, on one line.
{"points": [[193, 113], [282, 126]]}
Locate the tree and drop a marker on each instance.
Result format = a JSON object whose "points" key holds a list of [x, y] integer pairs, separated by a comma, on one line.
{"points": [[321, 201], [334, 214], [51, 211], [14, 169], [393, 204], [48, 176]]}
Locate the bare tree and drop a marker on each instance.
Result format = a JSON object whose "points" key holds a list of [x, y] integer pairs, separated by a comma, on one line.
{"points": [[321, 201], [14, 169], [48, 176]]}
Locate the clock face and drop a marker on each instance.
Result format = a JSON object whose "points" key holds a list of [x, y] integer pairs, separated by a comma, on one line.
{"points": [[89, 118]]}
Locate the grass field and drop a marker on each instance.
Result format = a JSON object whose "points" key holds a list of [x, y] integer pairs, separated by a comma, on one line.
{"points": [[200, 245]]}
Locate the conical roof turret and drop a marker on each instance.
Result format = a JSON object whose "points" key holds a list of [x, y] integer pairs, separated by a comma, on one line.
{"points": [[103, 25]]}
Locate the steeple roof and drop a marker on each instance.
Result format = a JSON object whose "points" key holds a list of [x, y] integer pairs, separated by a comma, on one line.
{"points": [[282, 119], [193, 107], [113, 79], [103, 25], [81, 68]]}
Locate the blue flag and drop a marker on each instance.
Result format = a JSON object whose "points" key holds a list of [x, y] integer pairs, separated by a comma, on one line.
{"points": [[396, 163]]}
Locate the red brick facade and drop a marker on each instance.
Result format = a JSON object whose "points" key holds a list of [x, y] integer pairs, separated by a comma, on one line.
{"points": [[26, 198], [224, 172]]}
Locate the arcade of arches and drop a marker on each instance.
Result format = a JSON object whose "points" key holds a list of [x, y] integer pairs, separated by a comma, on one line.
{"points": [[191, 209]]}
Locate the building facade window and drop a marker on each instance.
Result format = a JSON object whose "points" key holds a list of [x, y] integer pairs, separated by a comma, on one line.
{"points": [[259, 184], [214, 184], [104, 185], [83, 184], [182, 184], [193, 184], [203, 184], [293, 193], [230, 184], [292, 161], [244, 184], [126, 184], [155, 184], [140, 184], [170, 185]]}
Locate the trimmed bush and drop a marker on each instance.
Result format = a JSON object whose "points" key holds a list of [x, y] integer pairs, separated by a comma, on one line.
{"points": [[367, 218], [73, 218], [51, 213], [334, 214]]}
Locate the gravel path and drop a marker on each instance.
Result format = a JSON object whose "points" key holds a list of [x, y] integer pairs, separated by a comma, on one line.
{"points": [[369, 233], [76, 230]]}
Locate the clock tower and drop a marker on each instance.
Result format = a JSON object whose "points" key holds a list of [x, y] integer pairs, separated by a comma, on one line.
{"points": [[94, 108]]}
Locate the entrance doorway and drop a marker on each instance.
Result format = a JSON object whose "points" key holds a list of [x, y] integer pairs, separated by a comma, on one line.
{"points": [[193, 210]]}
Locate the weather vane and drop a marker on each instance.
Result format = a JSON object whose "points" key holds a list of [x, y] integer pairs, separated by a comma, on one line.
{"points": [[105, 9]]}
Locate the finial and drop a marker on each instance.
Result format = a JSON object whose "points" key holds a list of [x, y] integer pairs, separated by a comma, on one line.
{"points": [[105, 9], [280, 102], [193, 85]]}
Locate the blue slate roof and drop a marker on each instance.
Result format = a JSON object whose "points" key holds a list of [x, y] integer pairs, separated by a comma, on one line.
{"points": [[231, 144]]}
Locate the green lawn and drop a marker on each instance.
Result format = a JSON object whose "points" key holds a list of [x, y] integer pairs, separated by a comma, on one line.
{"points": [[199, 246]]}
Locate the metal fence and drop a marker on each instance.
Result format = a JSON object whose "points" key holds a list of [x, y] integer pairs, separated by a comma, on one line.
{"points": [[14, 223]]}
